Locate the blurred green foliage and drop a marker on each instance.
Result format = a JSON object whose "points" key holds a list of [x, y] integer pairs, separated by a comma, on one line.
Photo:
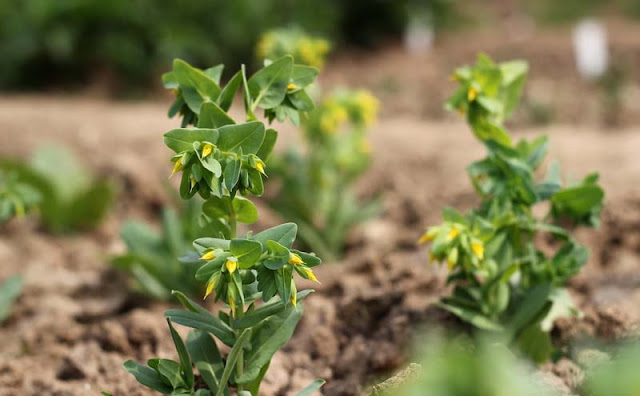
{"points": [[46, 42], [71, 198]]}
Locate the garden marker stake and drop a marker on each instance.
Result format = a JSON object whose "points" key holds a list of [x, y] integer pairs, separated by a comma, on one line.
{"points": [[504, 281], [223, 161]]}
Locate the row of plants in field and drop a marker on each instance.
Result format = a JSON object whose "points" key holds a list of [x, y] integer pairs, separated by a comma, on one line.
{"points": [[508, 265]]}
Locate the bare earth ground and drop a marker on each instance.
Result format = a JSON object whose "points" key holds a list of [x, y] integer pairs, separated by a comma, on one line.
{"points": [[76, 323]]}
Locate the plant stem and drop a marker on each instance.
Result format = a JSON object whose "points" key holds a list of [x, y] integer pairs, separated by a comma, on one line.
{"points": [[237, 314]]}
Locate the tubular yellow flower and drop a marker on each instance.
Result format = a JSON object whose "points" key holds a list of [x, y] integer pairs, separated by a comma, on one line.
{"points": [[231, 265], [310, 275], [453, 233], [177, 167], [209, 289], [292, 86], [478, 249], [295, 259], [206, 150], [428, 236], [260, 167], [472, 94], [208, 256]]}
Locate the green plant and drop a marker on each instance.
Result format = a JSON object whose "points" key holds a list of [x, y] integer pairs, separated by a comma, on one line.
{"points": [[153, 258], [618, 376], [305, 49], [224, 161], [509, 267], [459, 367], [70, 197], [9, 291], [316, 189], [16, 197]]}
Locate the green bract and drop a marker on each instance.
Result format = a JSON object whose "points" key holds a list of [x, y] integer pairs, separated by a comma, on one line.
{"points": [[505, 280], [316, 190], [224, 161]]}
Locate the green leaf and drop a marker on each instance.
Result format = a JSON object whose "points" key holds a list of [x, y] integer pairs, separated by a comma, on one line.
{"points": [[188, 303], [206, 322], [189, 76], [531, 307], [248, 137], [202, 244], [272, 307], [535, 343], [268, 87], [181, 139], [268, 337], [229, 92], [231, 360], [245, 210], [172, 372], [313, 387], [473, 317], [206, 356], [269, 142], [185, 361], [147, 376], [232, 173], [284, 234], [215, 73], [303, 76], [212, 116], [9, 291], [246, 251]]}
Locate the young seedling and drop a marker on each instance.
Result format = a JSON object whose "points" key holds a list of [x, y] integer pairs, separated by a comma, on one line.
{"points": [[224, 162], [70, 197], [505, 280], [317, 182]]}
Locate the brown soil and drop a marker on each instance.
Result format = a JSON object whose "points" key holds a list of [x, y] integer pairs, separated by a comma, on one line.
{"points": [[75, 322]]}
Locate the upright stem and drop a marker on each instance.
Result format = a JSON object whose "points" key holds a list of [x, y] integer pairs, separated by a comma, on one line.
{"points": [[237, 314]]}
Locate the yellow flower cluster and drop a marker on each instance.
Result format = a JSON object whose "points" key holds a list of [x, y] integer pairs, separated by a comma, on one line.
{"points": [[368, 106], [306, 50], [312, 51], [332, 115]]}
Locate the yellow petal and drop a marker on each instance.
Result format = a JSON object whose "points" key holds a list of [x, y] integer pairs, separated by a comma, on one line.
{"points": [[310, 275], [478, 249], [294, 299], [260, 167], [177, 167], [206, 150], [231, 266], [453, 233], [472, 94], [210, 287], [295, 259], [208, 256], [292, 86]]}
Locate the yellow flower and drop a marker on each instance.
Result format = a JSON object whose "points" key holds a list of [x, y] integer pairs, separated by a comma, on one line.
{"points": [[295, 259], [206, 150], [453, 233], [292, 86], [472, 94], [212, 285], [368, 105], [428, 236], [208, 256], [294, 299], [260, 167], [177, 167], [231, 264], [478, 249], [310, 275]]}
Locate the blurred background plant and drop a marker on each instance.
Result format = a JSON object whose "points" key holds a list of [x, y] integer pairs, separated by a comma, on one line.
{"points": [[305, 49], [16, 198], [618, 376], [462, 367], [316, 185], [152, 258], [71, 198], [10, 289]]}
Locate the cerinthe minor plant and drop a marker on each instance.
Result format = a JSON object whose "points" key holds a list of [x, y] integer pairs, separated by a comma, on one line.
{"points": [[224, 162], [506, 279]]}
